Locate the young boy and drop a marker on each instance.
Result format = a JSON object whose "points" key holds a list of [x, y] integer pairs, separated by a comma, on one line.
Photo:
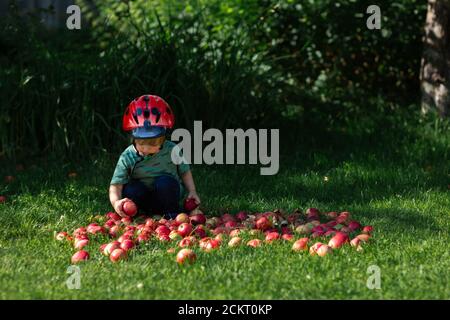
{"points": [[145, 172]]}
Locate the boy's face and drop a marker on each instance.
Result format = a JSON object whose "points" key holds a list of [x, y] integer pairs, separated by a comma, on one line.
{"points": [[149, 146]]}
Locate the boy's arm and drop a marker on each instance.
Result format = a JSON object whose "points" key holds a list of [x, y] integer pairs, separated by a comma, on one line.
{"points": [[188, 181], [115, 197]]}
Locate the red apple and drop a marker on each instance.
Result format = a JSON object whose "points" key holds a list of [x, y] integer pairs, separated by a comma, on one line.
{"points": [[80, 231], [354, 225], [211, 245], [110, 247], [162, 230], [190, 204], [241, 216], [129, 208], [150, 223], [367, 229], [9, 179], [287, 237], [218, 230], [143, 237], [185, 229], [117, 255], [263, 223], [113, 216], [271, 236], [2, 199], [80, 256], [198, 218], [234, 232], [254, 243], [355, 242], [304, 229], [312, 213], [186, 242], [114, 231], [300, 245], [109, 224], [313, 249], [174, 235], [164, 237], [61, 236], [323, 250], [186, 256], [363, 237], [182, 218], [102, 248], [230, 224], [127, 245], [338, 240], [234, 242], [200, 232], [202, 243], [126, 221], [220, 237], [81, 243]]}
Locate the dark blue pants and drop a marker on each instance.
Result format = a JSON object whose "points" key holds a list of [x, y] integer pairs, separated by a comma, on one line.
{"points": [[162, 199]]}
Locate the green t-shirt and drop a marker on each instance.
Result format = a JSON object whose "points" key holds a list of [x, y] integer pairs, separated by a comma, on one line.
{"points": [[131, 165]]}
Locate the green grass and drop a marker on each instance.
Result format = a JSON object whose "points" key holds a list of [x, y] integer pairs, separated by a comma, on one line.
{"points": [[406, 200]]}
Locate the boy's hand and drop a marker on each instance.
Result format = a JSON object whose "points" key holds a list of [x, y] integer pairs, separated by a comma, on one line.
{"points": [[118, 206], [194, 195]]}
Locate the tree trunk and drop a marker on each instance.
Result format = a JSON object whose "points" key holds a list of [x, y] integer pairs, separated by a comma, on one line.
{"points": [[435, 64]]}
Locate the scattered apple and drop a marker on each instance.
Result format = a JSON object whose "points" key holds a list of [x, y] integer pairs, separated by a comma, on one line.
{"points": [[313, 249], [127, 244], [254, 243], [300, 245], [186, 256], [117, 255], [338, 240], [234, 242], [323, 250], [129, 208], [81, 243], [61, 236], [367, 230], [197, 219], [272, 236], [190, 204], [80, 256], [363, 237], [182, 218], [185, 229], [110, 247]]}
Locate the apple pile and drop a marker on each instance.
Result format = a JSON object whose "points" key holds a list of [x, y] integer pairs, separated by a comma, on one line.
{"points": [[319, 233]]}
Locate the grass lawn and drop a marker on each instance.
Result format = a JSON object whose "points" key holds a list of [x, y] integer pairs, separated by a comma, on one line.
{"points": [[404, 196]]}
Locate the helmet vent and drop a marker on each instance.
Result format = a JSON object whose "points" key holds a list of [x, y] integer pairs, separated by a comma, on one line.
{"points": [[146, 113], [156, 112], [135, 118]]}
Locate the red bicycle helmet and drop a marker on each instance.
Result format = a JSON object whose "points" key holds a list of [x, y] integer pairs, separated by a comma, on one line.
{"points": [[148, 116]]}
